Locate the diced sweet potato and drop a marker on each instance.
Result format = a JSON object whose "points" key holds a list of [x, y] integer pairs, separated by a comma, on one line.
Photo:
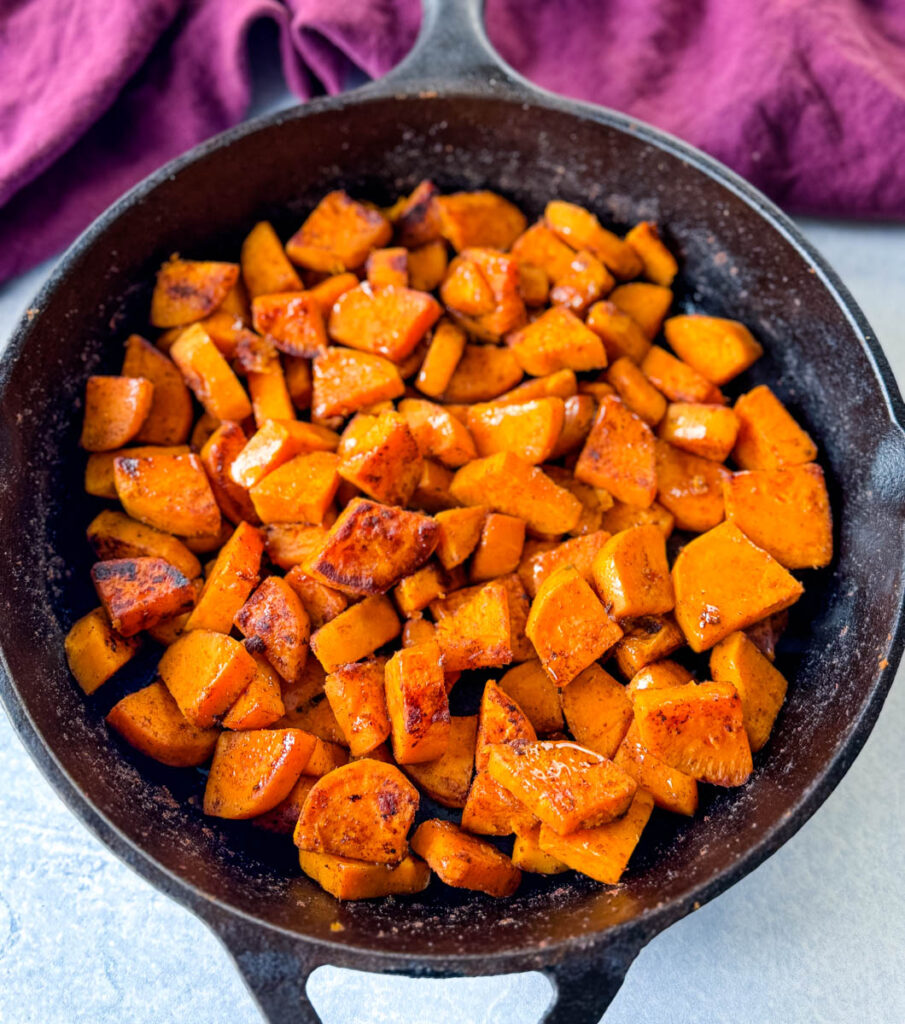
{"points": [[671, 789], [528, 856], [265, 268], [438, 434], [270, 398], [187, 290], [636, 391], [697, 729], [115, 410], [476, 632], [417, 216], [590, 498], [647, 640], [597, 710], [261, 703], [363, 810], [579, 552], [432, 493], [356, 695], [499, 550], [427, 266], [232, 578], [530, 430], [291, 544], [768, 436], [708, 431], [531, 688], [137, 593], [482, 373], [325, 758], [658, 263], [723, 582], [761, 687], [293, 320], [584, 282], [506, 483], [275, 443], [458, 533], [621, 335], [561, 384], [601, 853], [646, 304], [533, 285], [338, 235], [690, 487], [657, 676], [371, 547], [277, 621], [677, 380], [631, 573], [582, 230], [446, 348], [465, 290], [578, 417], [568, 625], [384, 461], [448, 778], [206, 672], [620, 516], [557, 340], [484, 218], [417, 630], [718, 349], [99, 476], [619, 455], [219, 455], [297, 373], [464, 862], [387, 322], [347, 879], [500, 273], [209, 375], [282, 819], [168, 492], [114, 535], [414, 593], [150, 721], [169, 419], [491, 810], [95, 651], [543, 248], [387, 267], [500, 720], [355, 633], [563, 784], [417, 704], [346, 381], [300, 490]]}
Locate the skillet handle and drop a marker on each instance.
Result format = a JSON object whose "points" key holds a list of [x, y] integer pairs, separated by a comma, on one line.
{"points": [[584, 987]]}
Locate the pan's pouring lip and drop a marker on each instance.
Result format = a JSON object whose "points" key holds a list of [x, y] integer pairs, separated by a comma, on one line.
{"points": [[634, 931]]}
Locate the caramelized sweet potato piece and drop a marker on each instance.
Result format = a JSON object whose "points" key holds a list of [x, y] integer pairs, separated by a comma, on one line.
{"points": [[708, 431], [631, 573], [586, 280], [464, 862], [261, 702], [169, 419], [417, 703], [542, 248], [355, 633], [115, 410], [282, 819], [209, 375], [356, 695], [539, 699], [168, 492], [530, 430], [299, 490], [293, 320], [528, 856], [99, 476], [578, 417], [346, 381], [446, 348], [206, 673], [297, 373], [620, 516], [253, 771], [315, 716], [563, 784], [619, 455], [697, 729], [114, 535], [291, 544], [657, 676], [417, 216], [137, 593], [518, 607], [561, 384], [432, 493], [761, 687], [482, 373], [325, 758], [220, 454], [533, 285], [500, 720], [387, 322], [620, 334], [414, 593], [671, 789], [578, 552], [338, 235], [458, 533], [718, 349], [646, 304], [438, 434], [275, 617], [150, 721], [233, 577], [347, 879], [677, 380], [636, 391], [601, 853], [597, 710], [557, 340], [768, 436], [506, 310], [363, 810], [469, 219], [371, 547], [187, 290], [690, 487], [491, 810], [499, 550], [465, 290], [448, 778], [568, 625], [646, 640], [265, 268], [95, 651], [384, 461], [658, 263], [388, 267], [582, 230], [723, 582], [275, 443], [427, 266]]}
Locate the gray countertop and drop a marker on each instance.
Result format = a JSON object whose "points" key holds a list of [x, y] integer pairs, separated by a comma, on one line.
{"points": [[816, 934]]}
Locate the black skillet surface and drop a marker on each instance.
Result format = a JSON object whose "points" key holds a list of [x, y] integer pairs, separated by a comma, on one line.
{"points": [[454, 113]]}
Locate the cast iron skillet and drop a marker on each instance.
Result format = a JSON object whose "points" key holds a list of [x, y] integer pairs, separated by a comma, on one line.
{"points": [[454, 112]]}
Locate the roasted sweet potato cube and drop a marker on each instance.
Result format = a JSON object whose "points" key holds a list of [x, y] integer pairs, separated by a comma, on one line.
{"points": [[99, 475], [619, 455], [708, 431], [357, 697], [519, 607], [597, 710], [346, 381], [500, 720], [417, 703], [389, 321], [530, 430], [169, 419], [338, 235], [724, 582], [448, 778], [469, 219], [206, 673], [761, 687], [416, 217], [168, 492], [275, 618], [578, 552], [620, 516], [231, 580], [254, 770], [533, 285], [718, 349], [384, 461], [427, 266], [438, 434], [95, 651], [534, 692], [557, 340], [293, 320], [371, 547], [115, 410], [491, 810], [677, 380], [446, 348], [578, 417], [620, 334], [209, 375], [657, 676], [506, 483], [432, 493], [528, 856], [299, 490], [363, 810], [631, 573], [114, 535], [543, 248], [327, 291], [563, 784], [297, 373], [647, 640], [477, 632], [220, 453], [283, 818], [465, 290], [150, 721], [355, 633], [414, 593], [417, 630], [636, 391], [325, 758], [347, 879], [501, 275], [499, 550], [464, 862], [690, 487], [561, 384], [482, 373], [601, 853], [768, 436], [137, 593], [388, 267], [458, 533], [187, 290], [584, 282], [582, 230], [671, 789], [647, 304], [592, 504], [291, 544], [697, 729], [275, 443], [261, 703], [568, 625], [658, 263], [265, 268]]}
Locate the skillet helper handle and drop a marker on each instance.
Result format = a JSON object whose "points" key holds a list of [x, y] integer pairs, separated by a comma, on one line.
{"points": [[585, 986]]}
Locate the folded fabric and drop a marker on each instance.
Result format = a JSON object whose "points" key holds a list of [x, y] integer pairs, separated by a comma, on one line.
{"points": [[805, 99]]}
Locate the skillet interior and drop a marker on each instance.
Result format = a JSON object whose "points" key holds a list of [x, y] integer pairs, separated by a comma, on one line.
{"points": [[733, 263]]}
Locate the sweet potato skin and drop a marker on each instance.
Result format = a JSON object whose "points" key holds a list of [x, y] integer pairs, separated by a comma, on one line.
{"points": [[151, 721], [95, 651], [137, 593], [169, 492], [357, 696], [355, 633], [417, 703], [464, 862]]}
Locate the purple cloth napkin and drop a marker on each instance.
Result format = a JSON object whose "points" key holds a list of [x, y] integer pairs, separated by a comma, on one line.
{"points": [[806, 98]]}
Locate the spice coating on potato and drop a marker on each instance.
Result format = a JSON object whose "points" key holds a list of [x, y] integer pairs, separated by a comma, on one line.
{"points": [[206, 672], [115, 410], [95, 651], [187, 290], [464, 862], [137, 593], [151, 721]]}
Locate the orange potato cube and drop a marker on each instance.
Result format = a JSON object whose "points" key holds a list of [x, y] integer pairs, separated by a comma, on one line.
{"points": [[417, 216], [346, 381], [95, 651], [219, 455], [620, 516], [718, 349], [233, 577], [432, 493], [291, 544], [388, 322], [283, 818], [531, 688], [115, 410], [530, 430], [647, 640], [464, 862], [723, 582], [414, 593], [347, 879], [578, 417], [519, 607], [209, 375], [507, 310], [297, 373], [621, 334], [150, 721], [417, 630], [561, 384], [265, 268], [438, 434], [500, 720], [476, 631], [563, 784], [114, 535], [458, 533], [657, 676], [768, 436], [427, 266], [506, 483], [677, 380], [658, 263], [357, 696], [448, 778], [325, 758], [275, 619], [591, 503], [690, 487], [499, 550], [326, 292], [293, 321], [578, 552], [636, 391], [417, 703], [586, 280], [206, 673], [362, 810], [446, 348], [708, 431], [597, 710], [261, 703], [761, 687], [300, 490], [671, 789], [482, 218], [697, 729], [491, 810], [187, 290], [557, 340], [601, 853], [355, 633], [582, 230], [274, 444], [169, 419], [99, 476], [338, 235], [169, 492], [619, 455], [137, 593], [568, 625], [465, 290], [533, 285], [647, 304], [384, 461], [482, 373], [528, 856], [388, 267], [542, 248]]}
